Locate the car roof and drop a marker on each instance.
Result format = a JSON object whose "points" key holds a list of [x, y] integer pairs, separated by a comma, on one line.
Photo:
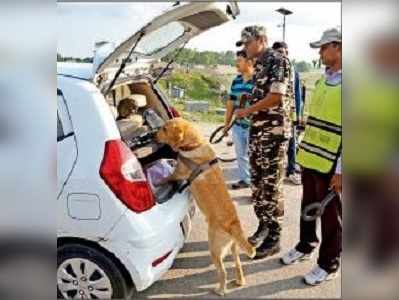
{"points": [[73, 69]]}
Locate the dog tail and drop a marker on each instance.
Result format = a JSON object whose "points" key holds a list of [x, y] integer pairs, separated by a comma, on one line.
{"points": [[238, 235]]}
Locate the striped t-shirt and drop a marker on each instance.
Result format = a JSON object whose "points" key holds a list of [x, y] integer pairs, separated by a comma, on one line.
{"points": [[238, 87]]}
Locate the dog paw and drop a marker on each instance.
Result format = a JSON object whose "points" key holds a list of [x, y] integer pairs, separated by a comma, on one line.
{"points": [[240, 282], [252, 253], [220, 291]]}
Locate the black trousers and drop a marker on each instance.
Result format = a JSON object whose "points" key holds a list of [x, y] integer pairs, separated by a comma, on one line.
{"points": [[315, 188]]}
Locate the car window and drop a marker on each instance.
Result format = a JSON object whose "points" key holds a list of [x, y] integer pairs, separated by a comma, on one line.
{"points": [[64, 123], [60, 130], [160, 38]]}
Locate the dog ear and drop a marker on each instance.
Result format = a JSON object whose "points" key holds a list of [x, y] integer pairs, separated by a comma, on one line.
{"points": [[178, 135]]}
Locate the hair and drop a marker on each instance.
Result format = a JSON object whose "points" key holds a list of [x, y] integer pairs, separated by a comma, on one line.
{"points": [[278, 45]]}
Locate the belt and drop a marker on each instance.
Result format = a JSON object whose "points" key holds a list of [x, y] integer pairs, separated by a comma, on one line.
{"points": [[245, 126], [260, 116]]}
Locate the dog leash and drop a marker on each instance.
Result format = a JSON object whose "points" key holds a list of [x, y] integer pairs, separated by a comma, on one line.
{"points": [[215, 140], [318, 208]]}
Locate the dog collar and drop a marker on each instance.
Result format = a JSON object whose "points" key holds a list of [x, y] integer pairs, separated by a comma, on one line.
{"points": [[188, 148]]}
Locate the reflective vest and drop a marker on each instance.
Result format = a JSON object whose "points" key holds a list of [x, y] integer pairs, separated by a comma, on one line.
{"points": [[321, 144]]}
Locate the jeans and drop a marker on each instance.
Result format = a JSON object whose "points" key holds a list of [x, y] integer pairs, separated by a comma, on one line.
{"points": [[291, 153], [240, 140]]}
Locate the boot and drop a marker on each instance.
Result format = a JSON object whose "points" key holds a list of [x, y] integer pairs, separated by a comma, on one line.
{"points": [[260, 235], [267, 248]]}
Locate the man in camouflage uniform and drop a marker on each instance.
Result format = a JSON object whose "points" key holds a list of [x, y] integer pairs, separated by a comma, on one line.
{"points": [[269, 133]]}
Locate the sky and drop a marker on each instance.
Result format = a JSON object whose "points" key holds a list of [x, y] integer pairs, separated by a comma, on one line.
{"points": [[80, 25]]}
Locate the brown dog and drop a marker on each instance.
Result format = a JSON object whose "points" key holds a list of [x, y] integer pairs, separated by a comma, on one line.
{"points": [[211, 194]]}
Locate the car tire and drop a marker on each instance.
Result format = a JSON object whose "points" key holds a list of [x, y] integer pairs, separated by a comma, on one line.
{"points": [[104, 278]]}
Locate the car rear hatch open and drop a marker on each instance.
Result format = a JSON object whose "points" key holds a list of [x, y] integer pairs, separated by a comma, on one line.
{"points": [[162, 35]]}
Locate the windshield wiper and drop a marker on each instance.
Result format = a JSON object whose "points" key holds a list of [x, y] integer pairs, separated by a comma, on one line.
{"points": [[124, 61], [170, 62]]}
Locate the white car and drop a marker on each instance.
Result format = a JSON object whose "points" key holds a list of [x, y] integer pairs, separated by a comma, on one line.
{"points": [[113, 231]]}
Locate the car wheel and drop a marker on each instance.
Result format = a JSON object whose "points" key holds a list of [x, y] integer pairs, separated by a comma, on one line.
{"points": [[86, 273]]}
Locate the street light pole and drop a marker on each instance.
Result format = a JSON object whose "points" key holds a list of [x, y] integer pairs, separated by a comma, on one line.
{"points": [[285, 12], [284, 28]]}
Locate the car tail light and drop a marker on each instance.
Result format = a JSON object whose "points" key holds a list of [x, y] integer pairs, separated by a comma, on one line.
{"points": [[161, 259], [123, 174], [175, 113]]}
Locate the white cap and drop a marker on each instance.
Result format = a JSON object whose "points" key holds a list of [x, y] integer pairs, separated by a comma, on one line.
{"points": [[329, 36]]}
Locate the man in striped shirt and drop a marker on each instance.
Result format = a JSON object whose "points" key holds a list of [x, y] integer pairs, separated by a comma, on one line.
{"points": [[241, 85]]}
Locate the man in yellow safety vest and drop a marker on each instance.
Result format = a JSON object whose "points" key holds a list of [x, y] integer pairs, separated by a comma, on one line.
{"points": [[320, 157]]}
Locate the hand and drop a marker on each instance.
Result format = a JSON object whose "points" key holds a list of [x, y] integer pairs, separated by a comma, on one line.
{"points": [[226, 131], [245, 97], [241, 113], [336, 183]]}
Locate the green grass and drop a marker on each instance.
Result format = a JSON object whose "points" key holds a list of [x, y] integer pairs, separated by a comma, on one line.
{"points": [[208, 117], [199, 85], [204, 86]]}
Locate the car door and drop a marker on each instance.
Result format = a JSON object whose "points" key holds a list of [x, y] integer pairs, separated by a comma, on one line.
{"points": [[67, 151]]}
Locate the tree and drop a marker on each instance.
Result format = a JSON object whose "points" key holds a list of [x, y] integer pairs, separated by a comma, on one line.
{"points": [[209, 58], [87, 60], [302, 66]]}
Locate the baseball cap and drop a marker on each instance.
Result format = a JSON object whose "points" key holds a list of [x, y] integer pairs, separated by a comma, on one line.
{"points": [[251, 32], [329, 36]]}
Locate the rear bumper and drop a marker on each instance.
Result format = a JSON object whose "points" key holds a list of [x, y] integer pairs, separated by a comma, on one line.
{"points": [[139, 239]]}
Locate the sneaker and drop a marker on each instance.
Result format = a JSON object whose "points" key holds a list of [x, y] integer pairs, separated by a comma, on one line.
{"points": [[240, 185], [294, 179], [259, 236], [294, 256], [318, 275]]}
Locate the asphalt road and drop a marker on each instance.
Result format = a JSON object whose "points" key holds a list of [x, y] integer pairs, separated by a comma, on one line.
{"points": [[194, 276]]}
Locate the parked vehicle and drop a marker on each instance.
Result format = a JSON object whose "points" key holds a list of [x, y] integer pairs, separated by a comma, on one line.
{"points": [[112, 231]]}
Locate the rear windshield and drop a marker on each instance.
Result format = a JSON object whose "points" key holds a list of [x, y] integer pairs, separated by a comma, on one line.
{"points": [[160, 38]]}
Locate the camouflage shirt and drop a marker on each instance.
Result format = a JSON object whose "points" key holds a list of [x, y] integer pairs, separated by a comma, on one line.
{"points": [[273, 74]]}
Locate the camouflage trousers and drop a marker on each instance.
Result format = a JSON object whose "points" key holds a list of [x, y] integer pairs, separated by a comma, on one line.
{"points": [[267, 164]]}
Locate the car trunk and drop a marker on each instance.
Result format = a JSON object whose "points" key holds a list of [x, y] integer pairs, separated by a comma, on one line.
{"points": [[141, 138]]}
